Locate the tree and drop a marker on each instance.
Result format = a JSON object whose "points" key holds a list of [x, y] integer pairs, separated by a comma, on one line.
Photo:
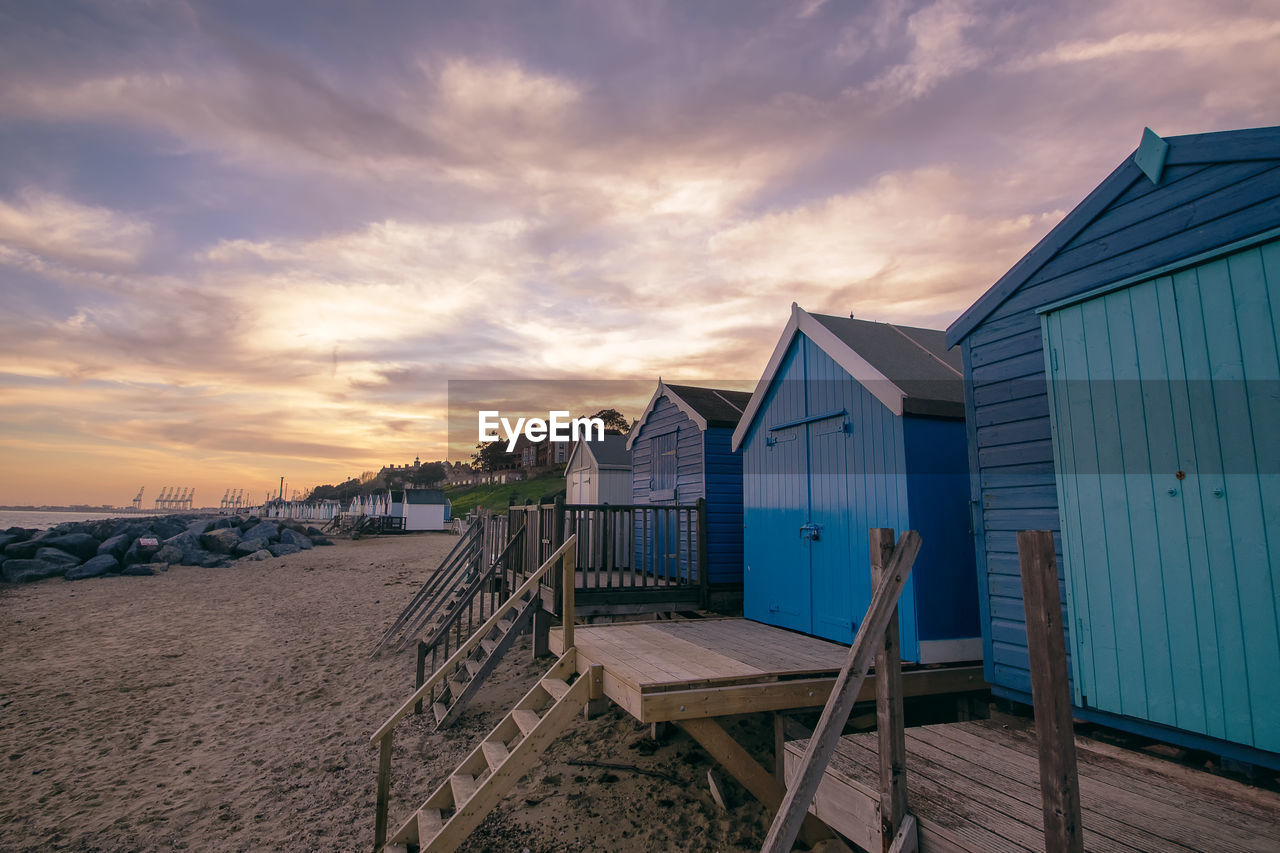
{"points": [[428, 474], [613, 419], [489, 455]]}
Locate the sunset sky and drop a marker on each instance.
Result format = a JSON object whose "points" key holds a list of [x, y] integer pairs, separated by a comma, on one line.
{"points": [[241, 240]]}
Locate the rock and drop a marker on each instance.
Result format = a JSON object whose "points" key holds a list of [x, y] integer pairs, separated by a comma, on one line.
{"points": [[166, 528], [263, 530], [25, 550], [280, 550], [185, 542], [221, 541], [247, 546], [209, 560], [167, 554], [140, 569], [7, 540], [199, 527], [258, 556], [227, 522], [289, 536], [93, 567], [19, 534], [27, 570], [82, 545], [313, 532], [141, 550], [115, 545], [321, 540], [58, 557]]}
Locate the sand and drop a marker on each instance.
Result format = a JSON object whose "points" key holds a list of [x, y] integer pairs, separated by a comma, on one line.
{"points": [[230, 709]]}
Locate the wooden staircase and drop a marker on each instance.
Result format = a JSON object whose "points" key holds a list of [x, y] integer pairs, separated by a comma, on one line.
{"points": [[458, 687], [457, 807], [510, 751], [441, 591]]}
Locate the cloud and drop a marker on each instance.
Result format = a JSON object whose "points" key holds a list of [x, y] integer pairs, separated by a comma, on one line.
{"points": [[1131, 44], [53, 227], [939, 49]]}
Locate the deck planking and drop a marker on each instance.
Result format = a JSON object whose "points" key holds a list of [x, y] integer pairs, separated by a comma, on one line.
{"points": [[712, 667], [975, 786]]}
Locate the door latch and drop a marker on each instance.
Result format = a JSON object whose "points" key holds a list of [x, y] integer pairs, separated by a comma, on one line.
{"points": [[810, 531]]}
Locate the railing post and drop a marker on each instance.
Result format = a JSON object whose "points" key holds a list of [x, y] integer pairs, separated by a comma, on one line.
{"points": [[1046, 646], [422, 673], [384, 792], [704, 582], [889, 715], [568, 563]]}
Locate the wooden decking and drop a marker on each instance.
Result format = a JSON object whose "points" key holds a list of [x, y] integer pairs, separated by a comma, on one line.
{"points": [[974, 786], [690, 669]]}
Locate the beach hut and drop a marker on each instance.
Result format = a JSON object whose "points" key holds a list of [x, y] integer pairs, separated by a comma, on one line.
{"points": [[425, 509], [680, 453], [599, 472], [855, 425], [1121, 392]]}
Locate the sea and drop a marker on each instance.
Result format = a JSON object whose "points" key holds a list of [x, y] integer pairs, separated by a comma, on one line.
{"points": [[44, 519]]}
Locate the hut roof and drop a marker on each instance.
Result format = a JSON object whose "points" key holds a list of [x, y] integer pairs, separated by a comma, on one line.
{"points": [[706, 407], [1150, 158], [610, 453], [909, 369]]}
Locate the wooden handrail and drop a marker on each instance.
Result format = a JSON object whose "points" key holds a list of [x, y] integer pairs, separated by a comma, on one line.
{"points": [[465, 650], [869, 640]]}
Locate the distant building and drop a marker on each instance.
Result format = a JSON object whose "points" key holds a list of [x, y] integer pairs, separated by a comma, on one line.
{"points": [[425, 509]]}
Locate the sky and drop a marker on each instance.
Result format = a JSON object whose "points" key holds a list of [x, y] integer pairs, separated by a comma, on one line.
{"points": [[244, 240]]}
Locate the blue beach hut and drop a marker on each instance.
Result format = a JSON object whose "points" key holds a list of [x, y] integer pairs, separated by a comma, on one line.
{"points": [[855, 425], [1121, 391], [680, 452]]}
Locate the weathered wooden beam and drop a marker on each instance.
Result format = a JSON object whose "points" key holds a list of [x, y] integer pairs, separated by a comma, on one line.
{"points": [[889, 715], [1046, 647], [569, 567], [739, 764], [786, 824], [384, 792]]}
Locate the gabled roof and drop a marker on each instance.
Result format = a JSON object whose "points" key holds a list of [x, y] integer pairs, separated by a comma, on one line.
{"points": [[908, 369], [706, 407], [1150, 159], [426, 496], [611, 453]]}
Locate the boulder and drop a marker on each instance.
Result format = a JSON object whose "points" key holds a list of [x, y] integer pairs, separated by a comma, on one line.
{"points": [[321, 540], [289, 536], [199, 527], [166, 528], [313, 532], [27, 570], [221, 541], [280, 549], [248, 546], [227, 522], [115, 545], [138, 552], [58, 557], [93, 567], [141, 569], [19, 534], [187, 543], [25, 550], [7, 540], [257, 556], [209, 560], [263, 530], [167, 554]]}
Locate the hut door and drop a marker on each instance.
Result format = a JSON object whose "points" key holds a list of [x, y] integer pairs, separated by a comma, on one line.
{"points": [[831, 580], [1163, 404]]}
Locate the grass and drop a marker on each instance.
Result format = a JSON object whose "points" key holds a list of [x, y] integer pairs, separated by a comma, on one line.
{"points": [[496, 497]]}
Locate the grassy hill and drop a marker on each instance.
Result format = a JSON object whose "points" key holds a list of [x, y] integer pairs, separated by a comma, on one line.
{"points": [[496, 497]]}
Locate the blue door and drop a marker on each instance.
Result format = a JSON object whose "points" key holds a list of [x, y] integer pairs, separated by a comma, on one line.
{"points": [[833, 561], [1164, 402]]}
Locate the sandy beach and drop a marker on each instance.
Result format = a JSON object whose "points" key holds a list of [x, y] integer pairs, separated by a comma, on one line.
{"points": [[230, 709]]}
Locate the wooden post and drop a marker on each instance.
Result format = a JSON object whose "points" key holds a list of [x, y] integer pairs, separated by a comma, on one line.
{"points": [[1046, 646], [567, 562], [422, 673], [384, 792], [541, 628], [869, 640], [704, 582], [780, 747], [889, 716]]}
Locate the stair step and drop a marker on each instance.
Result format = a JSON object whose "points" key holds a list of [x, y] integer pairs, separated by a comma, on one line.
{"points": [[495, 753], [488, 646], [463, 787], [555, 687], [526, 720], [505, 626], [439, 709], [456, 686], [474, 666], [430, 822]]}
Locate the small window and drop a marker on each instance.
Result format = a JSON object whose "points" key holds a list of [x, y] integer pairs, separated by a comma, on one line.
{"points": [[663, 480]]}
